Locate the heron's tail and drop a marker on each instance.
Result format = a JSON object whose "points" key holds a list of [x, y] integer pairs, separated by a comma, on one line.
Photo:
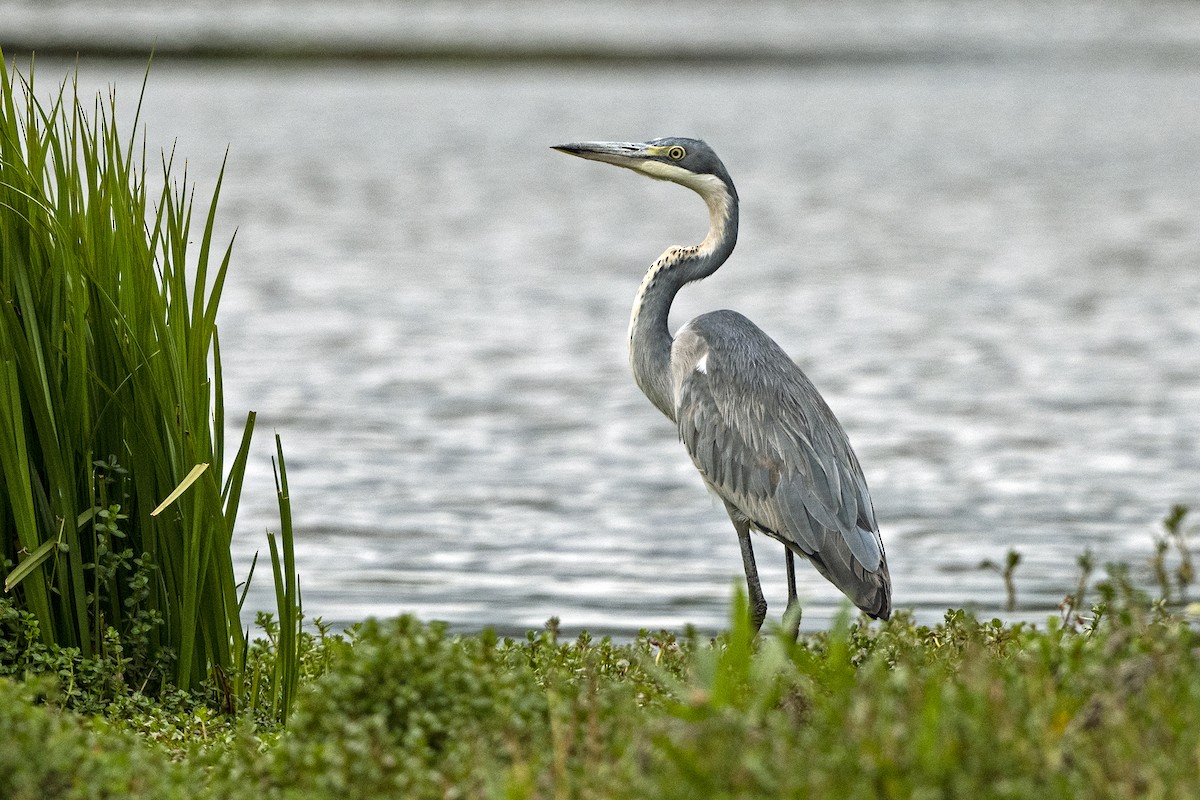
{"points": [[878, 603], [870, 590]]}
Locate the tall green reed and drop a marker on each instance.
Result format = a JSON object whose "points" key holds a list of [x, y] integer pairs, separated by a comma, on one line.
{"points": [[112, 421]]}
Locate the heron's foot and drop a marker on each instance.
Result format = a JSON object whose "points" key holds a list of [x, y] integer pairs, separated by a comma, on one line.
{"points": [[791, 619]]}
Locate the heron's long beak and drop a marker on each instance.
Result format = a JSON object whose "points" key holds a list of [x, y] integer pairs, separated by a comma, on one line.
{"points": [[623, 154]]}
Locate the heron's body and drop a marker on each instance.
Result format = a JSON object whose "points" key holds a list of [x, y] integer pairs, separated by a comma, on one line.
{"points": [[758, 431]]}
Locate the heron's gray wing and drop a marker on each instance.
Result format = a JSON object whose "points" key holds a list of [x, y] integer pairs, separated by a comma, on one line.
{"points": [[769, 446]]}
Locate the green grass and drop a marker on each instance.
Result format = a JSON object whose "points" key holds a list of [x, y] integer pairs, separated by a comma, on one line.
{"points": [[117, 499]]}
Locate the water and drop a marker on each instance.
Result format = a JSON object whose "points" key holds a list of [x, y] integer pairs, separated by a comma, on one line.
{"points": [[990, 271]]}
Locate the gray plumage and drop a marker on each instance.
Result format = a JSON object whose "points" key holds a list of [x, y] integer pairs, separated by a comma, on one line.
{"points": [[756, 428]]}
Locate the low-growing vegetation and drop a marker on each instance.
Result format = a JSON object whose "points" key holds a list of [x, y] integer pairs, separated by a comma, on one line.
{"points": [[1102, 705], [125, 672]]}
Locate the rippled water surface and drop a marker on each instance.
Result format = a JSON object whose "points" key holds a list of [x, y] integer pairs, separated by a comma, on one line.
{"points": [[991, 271]]}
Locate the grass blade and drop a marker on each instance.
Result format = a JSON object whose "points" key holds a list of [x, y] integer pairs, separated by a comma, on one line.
{"points": [[29, 564], [183, 486]]}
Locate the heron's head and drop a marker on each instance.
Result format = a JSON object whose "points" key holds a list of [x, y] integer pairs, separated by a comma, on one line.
{"points": [[689, 162]]}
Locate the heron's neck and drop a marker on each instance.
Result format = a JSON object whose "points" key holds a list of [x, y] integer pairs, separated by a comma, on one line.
{"points": [[649, 337]]}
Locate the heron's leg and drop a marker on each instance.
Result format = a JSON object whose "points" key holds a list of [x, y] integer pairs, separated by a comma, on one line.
{"points": [[758, 603], [792, 615]]}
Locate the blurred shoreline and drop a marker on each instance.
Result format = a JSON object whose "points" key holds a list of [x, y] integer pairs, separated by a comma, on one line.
{"points": [[539, 31]]}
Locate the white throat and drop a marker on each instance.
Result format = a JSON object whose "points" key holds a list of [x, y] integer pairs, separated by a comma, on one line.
{"points": [[710, 187]]}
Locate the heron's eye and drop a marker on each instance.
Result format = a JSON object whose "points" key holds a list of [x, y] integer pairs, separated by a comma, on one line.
{"points": [[675, 153]]}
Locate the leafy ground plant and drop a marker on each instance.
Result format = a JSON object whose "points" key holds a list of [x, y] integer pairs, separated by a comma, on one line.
{"points": [[1102, 706]]}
